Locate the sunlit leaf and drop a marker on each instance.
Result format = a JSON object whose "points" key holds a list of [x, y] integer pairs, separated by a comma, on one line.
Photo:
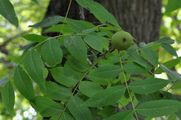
{"points": [[165, 40], [34, 37], [8, 12], [169, 64], [172, 74], [172, 5], [169, 49]]}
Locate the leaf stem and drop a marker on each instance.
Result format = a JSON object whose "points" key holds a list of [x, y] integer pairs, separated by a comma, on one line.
{"points": [[73, 92], [75, 88], [129, 93]]}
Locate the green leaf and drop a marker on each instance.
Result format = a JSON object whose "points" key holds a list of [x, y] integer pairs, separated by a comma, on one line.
{"points": [[8, 97], [172, 117], [51, 52], [106, 97], [62, 28], [150, 55], [71, 26], [80, 25], [23, 83], [62, 116], [34, 37], [33, 64], [89, 88], [172, 5], [48, 22], [63, 77], [8, 12], [79, 111], [106, 111], [3, 81], [76, 47], [166, 44], [77, 65], [137, 58], [176, 86], [172, 74], [169, 49], [45, 73], [35, 1], [57, 92], [110, 58], [46, 106], [98, 11], [124, 115], [69, 71], [158, 108], [97, 42], [155, 45], [105, 73], [148, 85], [169, 64], [165, 40], [134, 68]]}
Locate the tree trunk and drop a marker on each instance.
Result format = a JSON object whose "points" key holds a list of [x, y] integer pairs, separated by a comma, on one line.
{"points": [[142, 18]]}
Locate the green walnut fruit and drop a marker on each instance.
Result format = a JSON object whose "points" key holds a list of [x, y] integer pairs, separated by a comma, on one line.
{"points": [[122, 40]]}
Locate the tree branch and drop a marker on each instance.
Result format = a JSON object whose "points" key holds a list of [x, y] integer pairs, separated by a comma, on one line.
{"points": [[8, 40]]}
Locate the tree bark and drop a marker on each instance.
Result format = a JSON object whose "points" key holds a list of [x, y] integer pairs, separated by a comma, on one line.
{"points": [[142, 18]]}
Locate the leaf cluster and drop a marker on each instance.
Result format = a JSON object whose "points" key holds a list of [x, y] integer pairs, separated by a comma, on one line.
{"points": [[77, 76]]}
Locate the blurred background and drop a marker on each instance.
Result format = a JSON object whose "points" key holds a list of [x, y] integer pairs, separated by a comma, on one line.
{"points": [[29, 13]]}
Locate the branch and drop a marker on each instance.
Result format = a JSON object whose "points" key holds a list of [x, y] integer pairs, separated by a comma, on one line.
{"points": [[8, 40]]}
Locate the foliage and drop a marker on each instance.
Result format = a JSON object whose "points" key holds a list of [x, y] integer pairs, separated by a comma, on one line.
{"points": [[172, 5], [80, 76], [27, 14], [10, 13]]}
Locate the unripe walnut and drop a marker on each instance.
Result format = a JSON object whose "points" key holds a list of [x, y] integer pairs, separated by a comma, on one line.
{"points": [[122, 40]]}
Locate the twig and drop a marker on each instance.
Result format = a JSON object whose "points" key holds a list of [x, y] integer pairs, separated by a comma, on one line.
{"points": [[129, 93], [8, 40]]}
